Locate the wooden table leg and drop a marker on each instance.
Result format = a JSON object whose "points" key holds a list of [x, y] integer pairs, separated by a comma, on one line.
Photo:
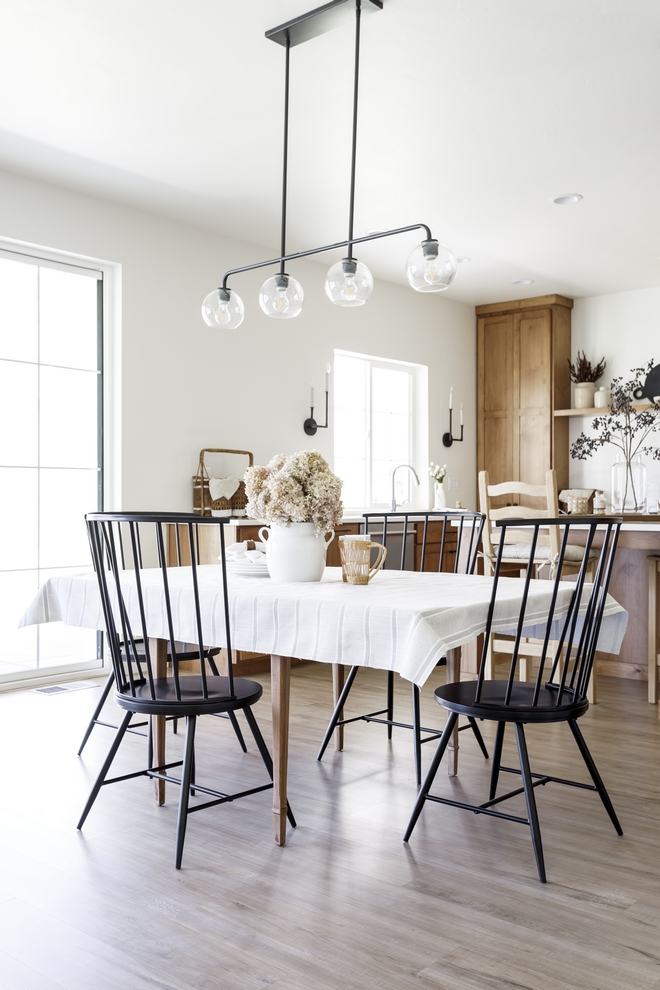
{"points": [[453, 674], [280, 670], [654, 607], [158, 650], [338, 672]]}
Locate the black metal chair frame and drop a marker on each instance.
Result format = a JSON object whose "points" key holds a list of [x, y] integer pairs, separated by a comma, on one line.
{"points": [[447, 518], [562, 698], [137, 690], [182, 655]]}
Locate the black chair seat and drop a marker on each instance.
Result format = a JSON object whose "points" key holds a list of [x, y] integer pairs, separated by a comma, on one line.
{"points": [[191, 700], [459, 697]]}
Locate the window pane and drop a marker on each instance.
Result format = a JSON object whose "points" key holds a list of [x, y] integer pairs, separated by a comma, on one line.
{"points": [[59, 643], [19, 440], [65, 497], [68, 436], [390, 391], [18, 310], [18, 647], [67, 314], [350, 381], [18, 510]]}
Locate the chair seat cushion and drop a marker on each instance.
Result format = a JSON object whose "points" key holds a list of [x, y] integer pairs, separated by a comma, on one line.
{"points": [[459, 697], [520, 551], [192, 701]]}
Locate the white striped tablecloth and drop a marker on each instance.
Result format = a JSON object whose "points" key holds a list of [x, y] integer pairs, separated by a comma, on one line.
{"points": [[401, 621]]}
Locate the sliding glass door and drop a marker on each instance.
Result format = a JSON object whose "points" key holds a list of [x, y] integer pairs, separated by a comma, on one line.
{"points": [[51, 451]]}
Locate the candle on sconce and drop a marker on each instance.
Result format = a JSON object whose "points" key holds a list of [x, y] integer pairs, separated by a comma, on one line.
{"points": [[311, 395], [461, 413], [327, 377], [451, 396]]}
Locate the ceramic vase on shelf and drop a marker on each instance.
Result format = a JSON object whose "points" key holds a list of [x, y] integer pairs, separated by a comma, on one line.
{"points": [[439, 495], [628, 485], [583, 396], [295, 552], [602, 397]]}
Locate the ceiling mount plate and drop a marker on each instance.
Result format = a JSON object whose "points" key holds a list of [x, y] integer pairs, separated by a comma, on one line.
{"points": [[319, 21]]}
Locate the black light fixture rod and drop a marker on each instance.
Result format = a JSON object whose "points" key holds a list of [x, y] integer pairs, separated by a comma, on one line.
{"points": [[285, 154], [356, 79], [326, 247]]}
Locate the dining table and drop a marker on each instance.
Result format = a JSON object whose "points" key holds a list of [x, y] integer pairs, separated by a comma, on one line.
{"points": [[403, 621]]}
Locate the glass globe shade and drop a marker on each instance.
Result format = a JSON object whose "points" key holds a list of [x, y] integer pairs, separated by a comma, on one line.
{"points": [[223, 308], [281, 297], [431, 267], [349, 283]]}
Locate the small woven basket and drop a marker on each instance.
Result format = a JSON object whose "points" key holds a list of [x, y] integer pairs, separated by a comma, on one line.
{"points": [[577, 501], [203, 504]]}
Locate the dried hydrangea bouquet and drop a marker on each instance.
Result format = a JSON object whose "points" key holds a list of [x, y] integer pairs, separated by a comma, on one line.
{"points": [[300, 497]]}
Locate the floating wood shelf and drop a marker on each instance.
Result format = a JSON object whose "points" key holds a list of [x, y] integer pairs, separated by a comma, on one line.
{"points": [[596, 412]]}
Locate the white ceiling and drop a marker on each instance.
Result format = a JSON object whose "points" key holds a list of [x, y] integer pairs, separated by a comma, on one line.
{"points": [[474, 113]]}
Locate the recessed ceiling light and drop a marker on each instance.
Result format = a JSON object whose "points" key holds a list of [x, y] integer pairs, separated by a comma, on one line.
{"points": [[567, 199], [522, 281], [463, 260]]}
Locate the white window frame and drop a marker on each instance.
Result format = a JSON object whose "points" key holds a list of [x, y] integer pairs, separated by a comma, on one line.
{"points": [[419, 432], [36, 254]]}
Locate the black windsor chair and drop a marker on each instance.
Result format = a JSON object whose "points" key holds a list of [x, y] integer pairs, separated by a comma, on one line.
{"points": [[574, 625], [126, 595], [184, 652], [454, 537]]}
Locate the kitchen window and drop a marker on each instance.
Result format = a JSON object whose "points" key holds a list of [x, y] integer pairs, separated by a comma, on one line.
{"points": [[380, 421], [51, 451]]}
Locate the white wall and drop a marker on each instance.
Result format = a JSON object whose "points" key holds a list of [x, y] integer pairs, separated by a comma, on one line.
{"points": [[185, 386], [625, 330]]}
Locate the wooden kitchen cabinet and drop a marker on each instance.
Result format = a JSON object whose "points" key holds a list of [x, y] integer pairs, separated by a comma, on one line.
{"points": [[523, 349]]}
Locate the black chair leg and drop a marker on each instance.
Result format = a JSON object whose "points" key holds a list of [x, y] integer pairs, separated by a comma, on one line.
{"points": [[332, 724], [237, 729], [265, 755], [433, 769], [390, 702], [478, 736], [150, 743], [595, 776], [497, 759], [186, 778], [97, 711], [121, 731], [417, 735], [530, 799]]}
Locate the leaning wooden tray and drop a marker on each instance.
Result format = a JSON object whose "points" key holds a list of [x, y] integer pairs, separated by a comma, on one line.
{"points": [[203, 504]]}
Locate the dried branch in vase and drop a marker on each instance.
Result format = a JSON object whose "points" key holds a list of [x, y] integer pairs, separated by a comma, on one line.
{"points": [[584, 371]]}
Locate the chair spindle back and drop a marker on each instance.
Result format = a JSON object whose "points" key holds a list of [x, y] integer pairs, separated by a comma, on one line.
{"points": [[135, 598]]}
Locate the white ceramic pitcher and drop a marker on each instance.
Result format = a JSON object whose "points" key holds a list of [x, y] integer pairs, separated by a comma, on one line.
{"points": [[295, 552]]}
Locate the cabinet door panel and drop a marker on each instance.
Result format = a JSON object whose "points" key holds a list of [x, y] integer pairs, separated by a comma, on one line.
{"points": [[497, 377], [534, 445], [499, 449], [535, 360]]}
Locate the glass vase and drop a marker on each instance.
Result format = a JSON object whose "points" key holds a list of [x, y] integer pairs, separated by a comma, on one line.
{"points": [[628, 485]]}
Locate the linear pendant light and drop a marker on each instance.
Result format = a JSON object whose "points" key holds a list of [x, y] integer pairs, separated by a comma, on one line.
{"points": [[431, 267]]}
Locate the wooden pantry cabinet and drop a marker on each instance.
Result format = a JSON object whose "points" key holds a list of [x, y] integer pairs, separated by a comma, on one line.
{"points": [[523, 349]]}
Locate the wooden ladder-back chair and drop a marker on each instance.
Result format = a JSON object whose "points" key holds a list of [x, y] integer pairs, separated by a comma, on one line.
{"points": [[451, 537], [572, 612], [138, 604], [516, 546]]}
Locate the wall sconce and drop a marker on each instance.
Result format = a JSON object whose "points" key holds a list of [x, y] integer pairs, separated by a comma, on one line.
{"points": [[310, 425], [448, 438]]}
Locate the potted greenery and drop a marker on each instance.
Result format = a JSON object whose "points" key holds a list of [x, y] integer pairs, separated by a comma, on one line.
{"points": [[585, 375]]}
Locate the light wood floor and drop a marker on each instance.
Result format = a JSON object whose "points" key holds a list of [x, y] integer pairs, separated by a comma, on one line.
{"points": [[345, 904]]}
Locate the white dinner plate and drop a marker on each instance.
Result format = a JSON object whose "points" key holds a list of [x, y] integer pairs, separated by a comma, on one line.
{"points": [[240, 567]]}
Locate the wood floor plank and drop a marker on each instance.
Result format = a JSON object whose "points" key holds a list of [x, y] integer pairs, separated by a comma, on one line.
{"points": [[345, 903]]}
